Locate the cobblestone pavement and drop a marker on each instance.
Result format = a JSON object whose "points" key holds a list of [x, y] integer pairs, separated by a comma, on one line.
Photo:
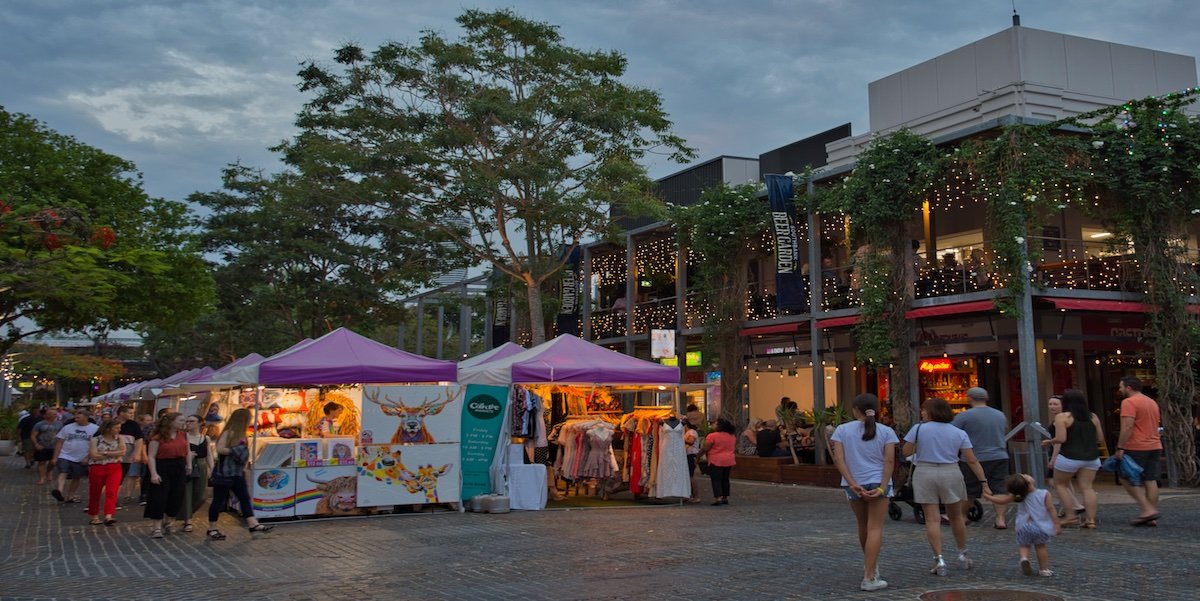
{"points": [[771, 542]]}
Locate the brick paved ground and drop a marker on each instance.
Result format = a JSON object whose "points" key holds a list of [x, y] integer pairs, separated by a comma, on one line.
{"points": [[772, 542]]}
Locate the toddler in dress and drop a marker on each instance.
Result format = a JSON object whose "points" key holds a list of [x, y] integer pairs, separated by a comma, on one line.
{"points": [[1037, 521]]}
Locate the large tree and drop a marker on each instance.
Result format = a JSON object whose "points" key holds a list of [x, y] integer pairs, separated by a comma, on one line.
{"points": [[507, 140], [82, 246], [298, 257]]}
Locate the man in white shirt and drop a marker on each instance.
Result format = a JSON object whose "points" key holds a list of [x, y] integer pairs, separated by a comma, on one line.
{"points": [[70, 455]]}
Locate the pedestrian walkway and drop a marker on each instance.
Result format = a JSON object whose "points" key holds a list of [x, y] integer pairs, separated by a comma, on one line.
{"points": [[772, 542]]}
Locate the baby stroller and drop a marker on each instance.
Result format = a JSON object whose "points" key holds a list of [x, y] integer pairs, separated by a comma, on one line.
{"points": [[904, 494]]}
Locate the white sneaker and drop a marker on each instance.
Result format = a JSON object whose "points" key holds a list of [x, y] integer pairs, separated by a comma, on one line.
{"points": [[1026, 567], [939, 568], [965, 561], [873, 585]]}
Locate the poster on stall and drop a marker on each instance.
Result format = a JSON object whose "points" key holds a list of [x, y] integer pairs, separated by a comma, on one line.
{"points": [[274, 493], [328, 491], [401, 414], [409, 474], [481, 423]]}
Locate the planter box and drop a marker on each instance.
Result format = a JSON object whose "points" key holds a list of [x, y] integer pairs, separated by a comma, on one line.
{"points": [[763, 469], [814, 475]]}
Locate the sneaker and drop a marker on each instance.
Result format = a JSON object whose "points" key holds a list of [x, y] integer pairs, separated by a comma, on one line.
{"points": [[157, 533], [1026, 567], [939, 568], [965, 561], [1046, 573], [873, 585], [141, 502]]}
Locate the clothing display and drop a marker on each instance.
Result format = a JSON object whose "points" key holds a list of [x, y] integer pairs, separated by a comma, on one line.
{"points": [[585, 450]]}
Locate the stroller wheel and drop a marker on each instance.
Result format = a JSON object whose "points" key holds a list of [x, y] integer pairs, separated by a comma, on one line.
{"points": [[894, 511], [975, 511], [919, 513]]}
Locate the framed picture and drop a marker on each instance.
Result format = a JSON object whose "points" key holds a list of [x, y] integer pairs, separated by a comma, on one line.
{"points": [[409, 474]]}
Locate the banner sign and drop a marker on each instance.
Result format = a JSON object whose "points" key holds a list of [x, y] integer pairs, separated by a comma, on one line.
{"points": [[662, 344], [789, 283], [567, 320], [482, 416]]}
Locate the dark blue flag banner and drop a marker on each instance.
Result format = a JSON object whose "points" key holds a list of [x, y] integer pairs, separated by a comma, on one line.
{"points": [[567, 320], [789, 283]]}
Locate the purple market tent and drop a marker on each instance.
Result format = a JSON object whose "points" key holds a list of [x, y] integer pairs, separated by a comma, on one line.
{"points": [[570, 360], [507, 349], [343, 357], [565, 360]]}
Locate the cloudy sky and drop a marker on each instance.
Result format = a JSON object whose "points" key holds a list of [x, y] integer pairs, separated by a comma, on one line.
{"points": [[184, 87]]}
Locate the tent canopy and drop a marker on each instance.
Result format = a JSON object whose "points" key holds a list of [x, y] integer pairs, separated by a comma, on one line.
{"points": [[570, 360], [507, 349], [221, 378], [343, 357]]}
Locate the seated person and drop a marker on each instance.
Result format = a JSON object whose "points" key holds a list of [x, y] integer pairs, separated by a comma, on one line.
{"points": [[770, 441], [747, 444]]}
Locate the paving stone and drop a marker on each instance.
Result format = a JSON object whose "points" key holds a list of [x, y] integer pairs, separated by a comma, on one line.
{"points": [[771, 542]]}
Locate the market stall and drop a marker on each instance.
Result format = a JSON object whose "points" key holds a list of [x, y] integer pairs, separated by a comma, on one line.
{"points": [[563, 407], [343, 425]]}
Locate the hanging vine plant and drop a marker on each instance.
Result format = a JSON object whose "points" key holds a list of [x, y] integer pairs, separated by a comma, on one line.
{"points": [[1142, 160], [881, 195], [721, 230]]}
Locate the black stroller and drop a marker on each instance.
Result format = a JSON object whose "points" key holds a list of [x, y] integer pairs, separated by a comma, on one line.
{"points": [[904, 494]]}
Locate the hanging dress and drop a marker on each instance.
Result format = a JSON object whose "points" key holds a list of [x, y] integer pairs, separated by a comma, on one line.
{"points": [[673, 479]]}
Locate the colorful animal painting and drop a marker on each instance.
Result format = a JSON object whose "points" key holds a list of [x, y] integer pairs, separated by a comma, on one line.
{"points": [[384, 466], [411, 429], [424, 480], [340, 495]]}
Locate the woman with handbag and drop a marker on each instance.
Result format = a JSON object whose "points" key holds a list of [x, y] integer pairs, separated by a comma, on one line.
{"points": [[229, 475], [937, 478], [196, 488], [104, 472]]}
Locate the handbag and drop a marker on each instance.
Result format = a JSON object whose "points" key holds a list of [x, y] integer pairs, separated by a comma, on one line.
{"points": [[218, 477]]}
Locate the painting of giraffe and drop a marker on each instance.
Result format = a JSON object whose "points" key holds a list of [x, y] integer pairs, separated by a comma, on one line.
{"points": [[398, 474]]}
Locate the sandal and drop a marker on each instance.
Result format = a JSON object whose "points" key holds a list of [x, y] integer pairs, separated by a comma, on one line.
{"points": [[188, 528], [156, 533], [261, 529], [214, 534], [95, 522], [110, 522], [1089, 525]]}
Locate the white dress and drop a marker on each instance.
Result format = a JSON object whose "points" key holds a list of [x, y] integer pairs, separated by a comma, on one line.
{"points": [[673, 480]]}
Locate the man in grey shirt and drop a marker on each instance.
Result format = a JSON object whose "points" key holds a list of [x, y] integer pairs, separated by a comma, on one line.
{"points": [[986, 428]]}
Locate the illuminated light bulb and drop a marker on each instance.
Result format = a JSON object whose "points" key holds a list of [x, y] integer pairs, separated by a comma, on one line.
{"points": [[1118, 351]]}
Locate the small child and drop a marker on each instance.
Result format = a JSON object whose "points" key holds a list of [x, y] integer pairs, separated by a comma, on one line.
{"points": [[1036, 522]]}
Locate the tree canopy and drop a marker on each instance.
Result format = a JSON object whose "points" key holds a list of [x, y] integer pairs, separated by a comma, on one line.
{"points": [[82, 245], [509, 142]]}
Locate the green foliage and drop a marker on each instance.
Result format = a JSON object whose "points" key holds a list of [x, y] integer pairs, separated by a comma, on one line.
{"points": [[82, 245], [719, 230], [507, 141], [8, 423], [41, 361]]}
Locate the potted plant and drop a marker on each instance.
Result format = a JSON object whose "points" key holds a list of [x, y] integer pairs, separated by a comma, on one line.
{"points": [[8, 431]]}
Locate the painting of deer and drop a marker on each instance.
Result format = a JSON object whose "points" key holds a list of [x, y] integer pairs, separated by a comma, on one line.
{"points": [[412, 428]]}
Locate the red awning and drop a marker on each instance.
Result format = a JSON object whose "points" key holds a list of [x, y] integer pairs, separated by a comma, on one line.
{"points": [[954, 309], [834, 322], [783, 328], [1085, 304]]}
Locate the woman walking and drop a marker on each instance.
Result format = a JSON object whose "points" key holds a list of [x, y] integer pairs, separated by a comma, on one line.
{"points": [[229, 475], [169, 461], [1071, 501], [104, 472], [1076, 432], [865, 454], [202, 462], [718, 447], [938, 480]]}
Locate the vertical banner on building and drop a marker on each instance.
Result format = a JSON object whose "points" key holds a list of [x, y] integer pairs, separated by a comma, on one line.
{"points": [[567, 320], [789, 283], [501, 308], [482, 417]]}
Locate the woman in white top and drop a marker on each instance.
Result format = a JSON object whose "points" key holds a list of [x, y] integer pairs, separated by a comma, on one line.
{"points": [[865, 453], [937, 478]]}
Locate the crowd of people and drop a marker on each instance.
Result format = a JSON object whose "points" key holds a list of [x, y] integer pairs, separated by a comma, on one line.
{"points": [[167, 465], [959, 458]]}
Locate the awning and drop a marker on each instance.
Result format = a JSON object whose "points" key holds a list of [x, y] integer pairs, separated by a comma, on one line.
{"points": [[782, 328], [953, 309], [834, 322], [1087, 304]]}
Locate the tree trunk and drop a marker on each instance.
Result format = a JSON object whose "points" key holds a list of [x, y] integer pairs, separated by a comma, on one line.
{"points": [[903, 278], [537, 325]]}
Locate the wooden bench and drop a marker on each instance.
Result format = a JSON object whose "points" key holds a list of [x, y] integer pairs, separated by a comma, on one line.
{"points": [[807, 473], [763, 469]]}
